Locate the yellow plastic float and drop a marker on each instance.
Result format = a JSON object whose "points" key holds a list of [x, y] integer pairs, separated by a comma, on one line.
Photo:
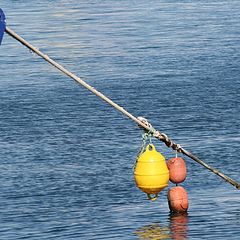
{"points": [[151, 172]]}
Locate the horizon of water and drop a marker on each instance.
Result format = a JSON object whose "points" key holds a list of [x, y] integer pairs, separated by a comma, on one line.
{"points": [[67, 158]]}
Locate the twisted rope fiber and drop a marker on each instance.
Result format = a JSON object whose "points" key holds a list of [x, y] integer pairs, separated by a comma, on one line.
{"points": [[145, 125]]}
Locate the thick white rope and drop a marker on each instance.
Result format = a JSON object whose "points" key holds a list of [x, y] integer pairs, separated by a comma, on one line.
{"points": [[141, 122]]}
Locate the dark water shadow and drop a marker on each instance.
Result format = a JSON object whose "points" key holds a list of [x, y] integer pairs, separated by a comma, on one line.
{"points": [[177, 229]]}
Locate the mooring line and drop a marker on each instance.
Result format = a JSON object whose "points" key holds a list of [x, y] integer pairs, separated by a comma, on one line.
{"points": [[157, 134]]}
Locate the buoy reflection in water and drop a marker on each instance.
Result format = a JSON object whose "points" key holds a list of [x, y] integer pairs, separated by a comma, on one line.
{"points": [[154, 231], [179, 225], [177, 229]]}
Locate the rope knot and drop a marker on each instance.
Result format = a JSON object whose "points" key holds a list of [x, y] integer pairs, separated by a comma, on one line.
{"points": [[147, 123], [177, 147], [167, 140]]}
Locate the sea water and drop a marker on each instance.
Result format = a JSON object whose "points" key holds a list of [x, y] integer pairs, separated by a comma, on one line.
{"points": [[67, 158]]}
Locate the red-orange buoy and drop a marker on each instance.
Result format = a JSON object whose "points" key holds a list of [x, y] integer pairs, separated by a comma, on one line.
{"points": [[177, 199], [177, 170]]}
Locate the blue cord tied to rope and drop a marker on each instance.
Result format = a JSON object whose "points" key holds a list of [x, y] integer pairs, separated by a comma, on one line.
{"points": [[162, 136], [146, 135]]}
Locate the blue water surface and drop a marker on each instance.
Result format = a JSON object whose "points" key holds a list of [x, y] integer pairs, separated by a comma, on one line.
{"points": [[66, 169]]}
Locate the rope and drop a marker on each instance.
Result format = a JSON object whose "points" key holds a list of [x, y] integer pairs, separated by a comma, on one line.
{"points": [[144, 124]]}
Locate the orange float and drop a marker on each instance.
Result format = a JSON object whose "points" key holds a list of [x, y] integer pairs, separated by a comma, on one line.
{"points": [[177, 170], [177, 199]]}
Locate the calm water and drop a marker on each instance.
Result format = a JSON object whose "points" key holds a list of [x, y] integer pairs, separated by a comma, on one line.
{"points": [[67, 158]]}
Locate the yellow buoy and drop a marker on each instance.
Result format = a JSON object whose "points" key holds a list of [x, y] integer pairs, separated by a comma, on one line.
{"points": [[151, 172]]}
